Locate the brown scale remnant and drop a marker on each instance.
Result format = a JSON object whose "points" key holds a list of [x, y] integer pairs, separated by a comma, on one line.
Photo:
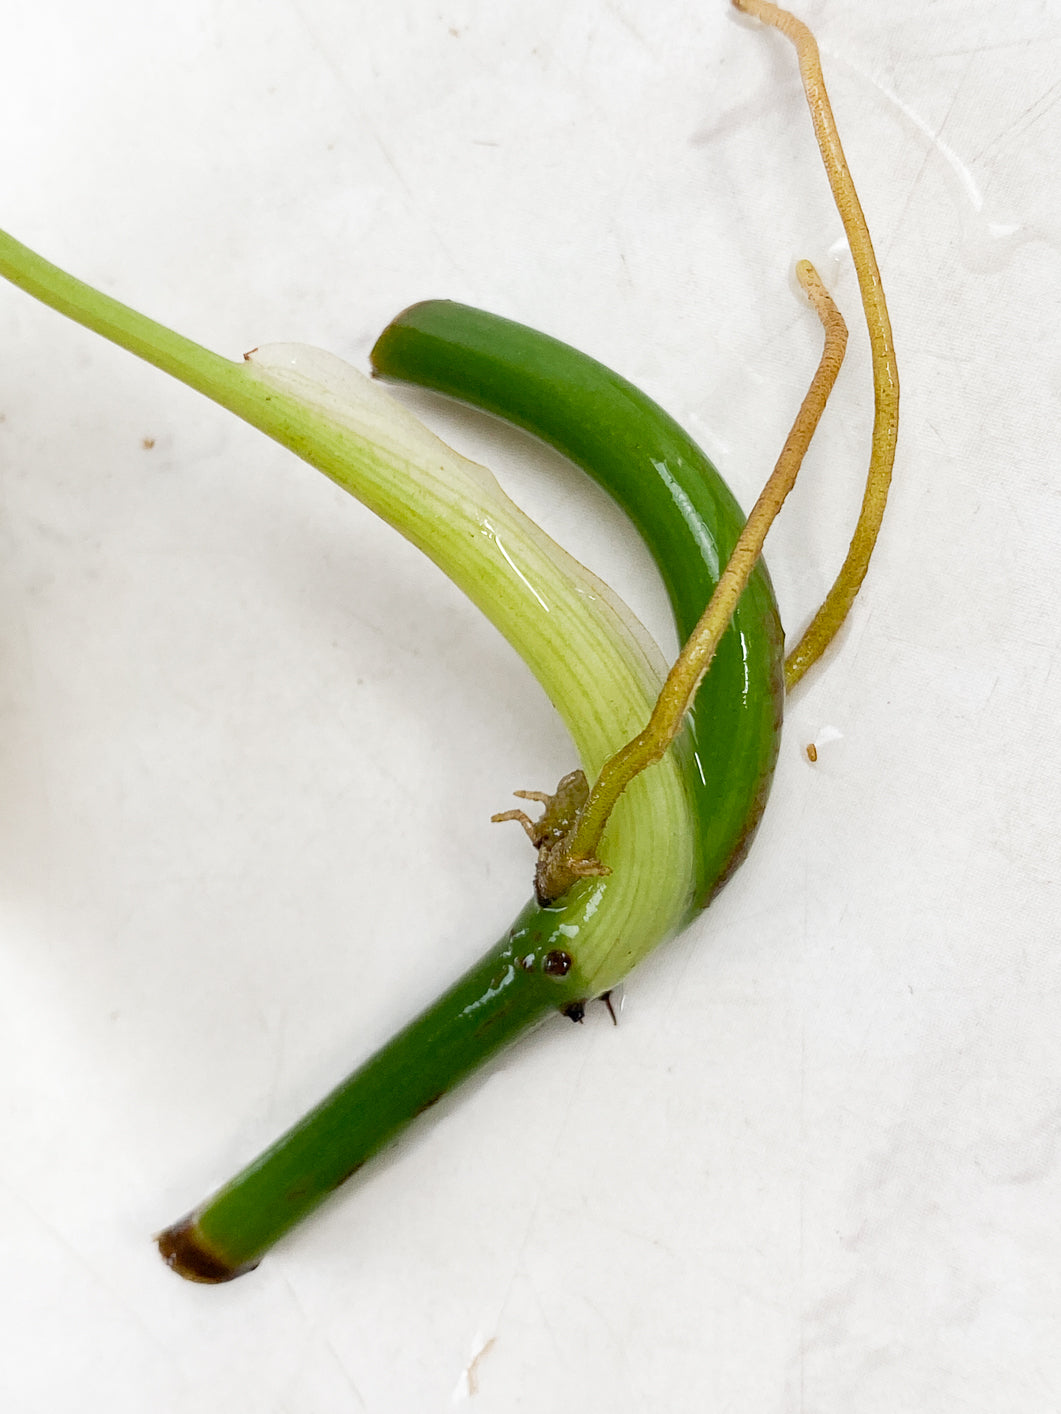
{"points": [[556, 963]]}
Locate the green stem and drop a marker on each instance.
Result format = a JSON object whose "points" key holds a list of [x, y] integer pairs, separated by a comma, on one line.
{"points": [[592, 659], [219, 378], [507, 992]]}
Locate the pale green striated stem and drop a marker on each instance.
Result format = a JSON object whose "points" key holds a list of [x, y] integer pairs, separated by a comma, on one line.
{"points": [[592, 658]]}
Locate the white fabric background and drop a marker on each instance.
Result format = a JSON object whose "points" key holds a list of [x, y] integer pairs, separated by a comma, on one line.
{"points": [[250, 742]]}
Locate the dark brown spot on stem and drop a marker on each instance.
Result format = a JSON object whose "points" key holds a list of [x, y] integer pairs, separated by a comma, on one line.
{"points": [[349, 1174]]}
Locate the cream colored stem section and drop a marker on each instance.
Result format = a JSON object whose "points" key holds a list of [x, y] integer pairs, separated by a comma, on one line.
{"points": [[588, 652], [826, 622], [692, 663]]}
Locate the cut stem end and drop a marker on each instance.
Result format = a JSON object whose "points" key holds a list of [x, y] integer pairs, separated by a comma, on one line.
{"points": [[185, 1251]]}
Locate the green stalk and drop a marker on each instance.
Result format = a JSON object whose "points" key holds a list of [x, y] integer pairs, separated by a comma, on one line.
{"points": [[219, 378], [506, 993], [590, 655]]}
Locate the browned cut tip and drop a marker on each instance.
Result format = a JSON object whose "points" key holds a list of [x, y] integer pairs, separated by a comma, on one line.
{"points": [[185, 1251]]}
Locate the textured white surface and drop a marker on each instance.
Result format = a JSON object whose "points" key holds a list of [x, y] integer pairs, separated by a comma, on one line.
{"points": [[250, 743]]}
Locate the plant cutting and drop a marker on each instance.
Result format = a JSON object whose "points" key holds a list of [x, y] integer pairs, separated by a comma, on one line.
{"points": [[674, 767]]}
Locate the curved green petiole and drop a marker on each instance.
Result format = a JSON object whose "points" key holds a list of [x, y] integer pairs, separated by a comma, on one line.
{"points": [[706, 552]]}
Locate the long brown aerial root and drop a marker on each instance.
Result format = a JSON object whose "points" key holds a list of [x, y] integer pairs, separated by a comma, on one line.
{"points": [[826, 622]]}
